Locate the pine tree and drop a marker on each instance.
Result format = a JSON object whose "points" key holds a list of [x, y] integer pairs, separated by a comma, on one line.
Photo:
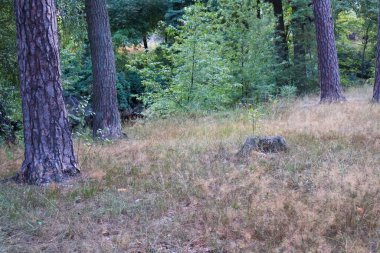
{"points": [[106, 123], [49, 153], [331, 90]]}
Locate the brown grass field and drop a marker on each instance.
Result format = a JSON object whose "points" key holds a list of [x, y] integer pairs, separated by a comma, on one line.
{"points": [[176, 186]]}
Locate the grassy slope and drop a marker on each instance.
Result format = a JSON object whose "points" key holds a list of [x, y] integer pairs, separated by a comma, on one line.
{"points": [[176, 186]]}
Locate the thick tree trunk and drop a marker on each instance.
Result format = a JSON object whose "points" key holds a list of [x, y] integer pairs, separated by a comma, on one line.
{"points": [[49, 153], [107, 117], [281, 42], [376, 88], [331, 91]]}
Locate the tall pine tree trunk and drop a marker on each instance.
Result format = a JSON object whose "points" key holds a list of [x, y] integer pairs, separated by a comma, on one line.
{"points": [[49, 153], [329, 78], [376, 88], [107, 117], [281, 42]]}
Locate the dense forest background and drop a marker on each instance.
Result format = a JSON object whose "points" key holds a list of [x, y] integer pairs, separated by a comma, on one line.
{"points": [[189, 56]]}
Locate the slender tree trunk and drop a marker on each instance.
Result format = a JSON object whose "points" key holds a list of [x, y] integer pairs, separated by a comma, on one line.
{"points": [[107, 117], [300, 57], [281, 43], [376, 87], [49, 153], [365, 45], [192, 72], [145, 41], [331, 91], [258, 9], [299, 47]]}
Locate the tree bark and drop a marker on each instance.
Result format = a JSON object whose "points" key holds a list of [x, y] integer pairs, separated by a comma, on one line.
{"points": [[331, 90], [376, 87], [49, 153], [107, 117], [281, 42]]}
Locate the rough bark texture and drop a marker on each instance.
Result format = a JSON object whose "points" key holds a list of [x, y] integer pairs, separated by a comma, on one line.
{"points": [[376, 88], [266, 144], [106, 123], [49, 153], [281, 43], [329, 78]]}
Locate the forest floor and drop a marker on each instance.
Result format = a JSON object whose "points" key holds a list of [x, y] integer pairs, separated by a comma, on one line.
{"points": [[176, 186]]}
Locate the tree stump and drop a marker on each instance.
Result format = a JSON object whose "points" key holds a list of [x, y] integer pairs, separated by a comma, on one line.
{"points": [[265, 144]]}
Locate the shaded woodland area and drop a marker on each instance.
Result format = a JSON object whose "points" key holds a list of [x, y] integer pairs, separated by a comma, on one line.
{"points": [[122, 124]]}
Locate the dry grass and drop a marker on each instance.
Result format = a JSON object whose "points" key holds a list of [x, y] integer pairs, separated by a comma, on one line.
{"points": [[175, 186]]}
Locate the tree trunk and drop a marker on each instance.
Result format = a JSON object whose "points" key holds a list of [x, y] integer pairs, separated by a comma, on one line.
{"points": [[281, 42], [192, 72], [145, 42], [329, 78], [363, 73], [298, 23], [49, 153], [258, 9], [376, 88], [107, 117]]}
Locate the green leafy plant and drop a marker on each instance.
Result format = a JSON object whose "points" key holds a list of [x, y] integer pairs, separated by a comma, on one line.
{"points": [[254, 115]]}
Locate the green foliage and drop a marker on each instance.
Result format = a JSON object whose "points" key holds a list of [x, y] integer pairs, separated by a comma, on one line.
{"points": [[176, 9], [76, 69], [71, 20], [195, 77], [288, 91], [218, 59], [8, 47], [11, 100], [132, 19], [149, 74], [254, 115], [202, 79], [129, 83], [356, 30], [249, 49], [79, 114], [303, 71]]}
